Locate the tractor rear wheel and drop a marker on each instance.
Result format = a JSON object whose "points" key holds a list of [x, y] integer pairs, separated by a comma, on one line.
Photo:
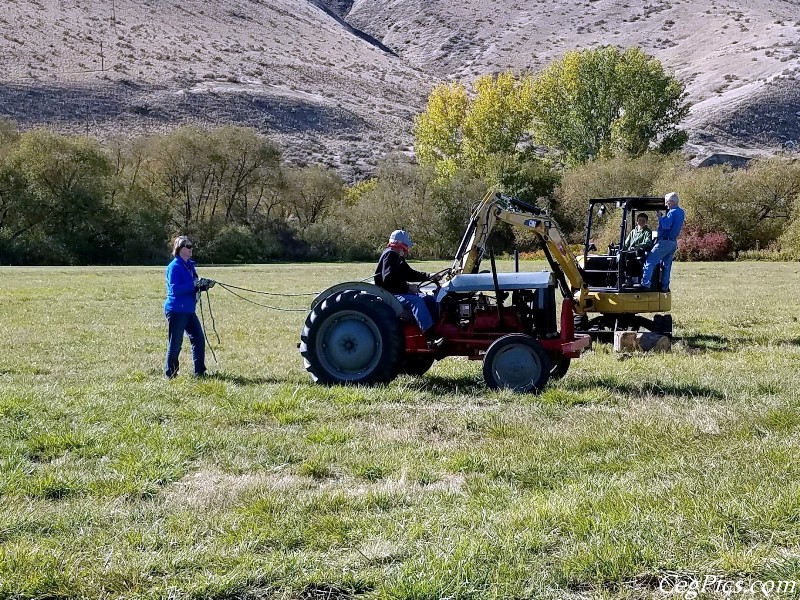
{"points": [[518, 362], [351, 338]]}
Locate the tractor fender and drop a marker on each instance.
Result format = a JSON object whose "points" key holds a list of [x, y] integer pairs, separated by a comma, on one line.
{"points": [[360, 286]]}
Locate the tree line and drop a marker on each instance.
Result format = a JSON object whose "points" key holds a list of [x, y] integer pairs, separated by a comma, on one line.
{"points": [[74, 200], [596, 123]]}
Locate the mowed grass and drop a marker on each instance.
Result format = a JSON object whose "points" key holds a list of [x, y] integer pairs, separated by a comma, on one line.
{"points": [[115, 483]]}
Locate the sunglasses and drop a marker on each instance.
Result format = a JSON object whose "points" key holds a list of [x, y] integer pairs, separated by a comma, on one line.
{"points": [[189, 246]]}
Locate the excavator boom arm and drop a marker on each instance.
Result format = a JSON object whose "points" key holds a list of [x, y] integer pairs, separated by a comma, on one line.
{"points": [[498, 207]]}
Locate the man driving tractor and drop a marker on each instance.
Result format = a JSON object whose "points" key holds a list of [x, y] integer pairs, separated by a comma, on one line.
{"points": [[393, 274]]}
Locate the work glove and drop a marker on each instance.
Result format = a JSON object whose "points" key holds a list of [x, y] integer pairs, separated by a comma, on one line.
{"points": [[203, 284]]}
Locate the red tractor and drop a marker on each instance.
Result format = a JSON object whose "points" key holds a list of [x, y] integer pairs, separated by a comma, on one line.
{"points": [[359, 333]]}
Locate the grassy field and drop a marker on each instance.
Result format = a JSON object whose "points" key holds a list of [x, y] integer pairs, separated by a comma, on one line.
{"points": [[115, 483]]}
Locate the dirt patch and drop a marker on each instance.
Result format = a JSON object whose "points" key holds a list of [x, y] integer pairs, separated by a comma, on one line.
{"points": [[205, 489]]}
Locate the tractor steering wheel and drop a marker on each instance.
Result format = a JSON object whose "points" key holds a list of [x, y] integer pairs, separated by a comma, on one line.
{"points": [[435, 277]]}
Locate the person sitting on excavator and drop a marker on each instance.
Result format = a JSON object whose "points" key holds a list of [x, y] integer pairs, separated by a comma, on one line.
{"points": [[393, 274], [635, 247], [641, 236]]}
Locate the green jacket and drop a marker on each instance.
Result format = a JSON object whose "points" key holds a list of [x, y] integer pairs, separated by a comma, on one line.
{"points": [[642, 238]]}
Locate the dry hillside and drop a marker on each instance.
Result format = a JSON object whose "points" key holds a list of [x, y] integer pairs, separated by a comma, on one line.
{"points": [[340, 80]]}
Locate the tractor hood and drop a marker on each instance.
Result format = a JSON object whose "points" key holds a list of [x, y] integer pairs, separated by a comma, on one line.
{"points": [[484, 282]]}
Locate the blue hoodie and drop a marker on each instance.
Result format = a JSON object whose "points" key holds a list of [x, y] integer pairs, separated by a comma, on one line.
{"points": [[669, 226], [180, 286]]}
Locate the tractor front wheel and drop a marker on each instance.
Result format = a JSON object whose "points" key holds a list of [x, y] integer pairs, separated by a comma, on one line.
{"points": [[517, 362]]}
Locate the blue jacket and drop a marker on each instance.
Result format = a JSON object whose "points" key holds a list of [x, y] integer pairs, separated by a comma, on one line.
{"points": [[180, 286], [669, 226]]}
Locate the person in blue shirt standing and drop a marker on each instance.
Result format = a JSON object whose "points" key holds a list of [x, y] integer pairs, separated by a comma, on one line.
{"points": [[183, 290], [669, 228]]}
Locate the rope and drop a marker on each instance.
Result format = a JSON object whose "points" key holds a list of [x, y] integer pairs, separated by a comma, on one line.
{"points": [[234, 287], [213, 325], [228, 289], [213, 321]]}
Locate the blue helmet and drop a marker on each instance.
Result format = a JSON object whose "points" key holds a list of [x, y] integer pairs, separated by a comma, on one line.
{"points": [[400, 236]]}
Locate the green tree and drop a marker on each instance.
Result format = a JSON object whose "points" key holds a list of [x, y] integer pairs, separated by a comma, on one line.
{"points": [[619, 176], [17, 207], [211, 177], [8, 133], [311, 193], [603, 102], [64, 197], [454, 199], [438, 130]]}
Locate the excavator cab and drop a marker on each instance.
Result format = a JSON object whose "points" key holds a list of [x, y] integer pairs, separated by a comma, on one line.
{"points": [[619, 268], [610, 298]]}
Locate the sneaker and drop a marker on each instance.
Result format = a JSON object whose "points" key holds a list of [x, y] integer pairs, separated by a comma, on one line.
{"points": [[436, 343]]}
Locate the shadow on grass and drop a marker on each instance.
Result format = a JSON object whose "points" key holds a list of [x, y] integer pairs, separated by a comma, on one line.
{"points": [[710, 342], [685, 390], [25, 371], [244, 379], [465, 384], [646, 581], [226, 377], [332, 591], [453, 384], [707, 342]]}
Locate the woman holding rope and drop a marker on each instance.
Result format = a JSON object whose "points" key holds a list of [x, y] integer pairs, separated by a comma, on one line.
{"points": [[183, 290]]}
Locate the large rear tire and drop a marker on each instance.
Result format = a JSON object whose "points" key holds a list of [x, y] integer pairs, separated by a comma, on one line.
{"points": [[517, 362], [350, 338]]}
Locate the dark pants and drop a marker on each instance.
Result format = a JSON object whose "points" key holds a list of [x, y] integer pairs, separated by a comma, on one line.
{"points": [[177, 323]]}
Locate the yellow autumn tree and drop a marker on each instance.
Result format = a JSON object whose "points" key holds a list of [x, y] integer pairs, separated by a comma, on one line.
{"points": [[456, 131]]}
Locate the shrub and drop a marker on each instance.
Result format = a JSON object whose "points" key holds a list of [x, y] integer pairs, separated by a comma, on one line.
{"points": [[234, 244], [695, 245], [770, 255]]}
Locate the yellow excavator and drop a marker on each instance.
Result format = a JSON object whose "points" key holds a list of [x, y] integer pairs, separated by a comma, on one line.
{"points": [[601, 285]]}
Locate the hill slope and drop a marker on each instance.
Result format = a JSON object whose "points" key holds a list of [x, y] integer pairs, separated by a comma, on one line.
{"points": [[741, 64], [340, 80]]}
